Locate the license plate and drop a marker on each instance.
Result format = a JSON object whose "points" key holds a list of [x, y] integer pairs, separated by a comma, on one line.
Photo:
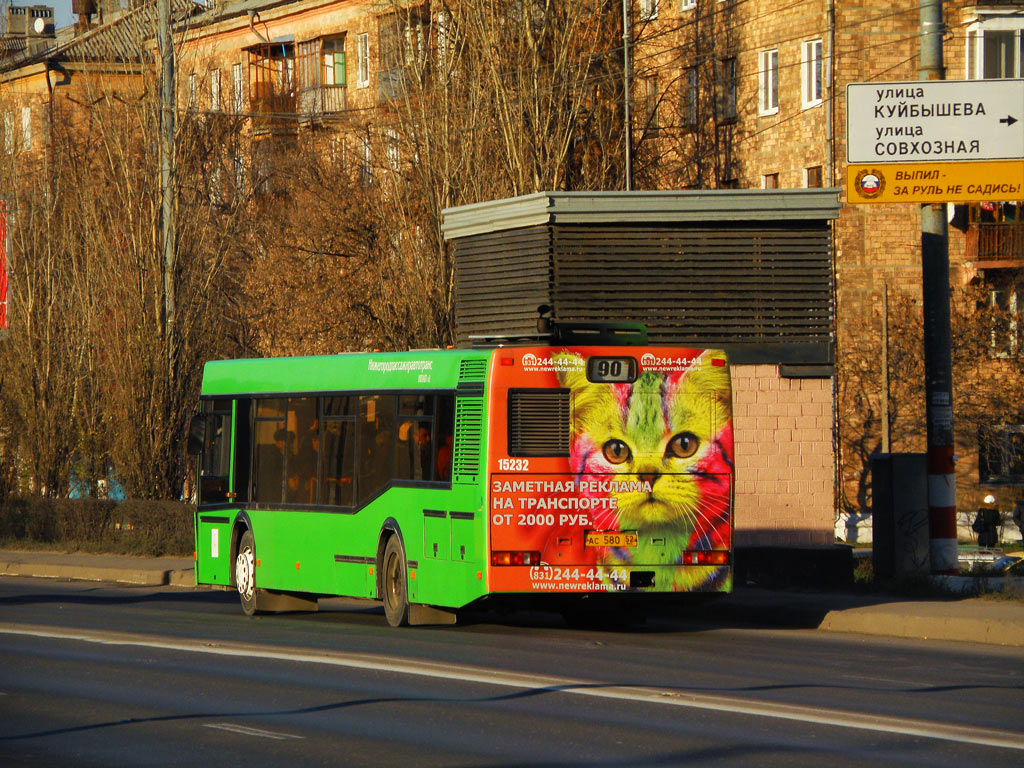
{"points": [[611, 539]]}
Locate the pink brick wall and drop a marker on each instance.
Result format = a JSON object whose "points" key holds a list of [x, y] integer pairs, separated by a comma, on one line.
{"points": [[784, 458]]}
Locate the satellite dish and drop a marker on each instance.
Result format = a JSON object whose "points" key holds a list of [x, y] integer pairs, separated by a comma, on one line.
{"points": [[39, 25]]}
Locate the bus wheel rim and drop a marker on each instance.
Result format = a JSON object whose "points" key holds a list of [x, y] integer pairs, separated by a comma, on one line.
{"points": [[244, 573], [392, 581]]}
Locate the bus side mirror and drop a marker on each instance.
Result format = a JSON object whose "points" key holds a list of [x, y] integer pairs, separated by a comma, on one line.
{"points": [[196, 435]]}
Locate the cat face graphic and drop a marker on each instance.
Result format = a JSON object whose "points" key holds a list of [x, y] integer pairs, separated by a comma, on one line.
{"points": [[664, 438]]}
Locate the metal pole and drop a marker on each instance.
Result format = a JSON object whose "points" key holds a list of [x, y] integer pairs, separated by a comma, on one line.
{"points": [[938, 365], [627, 76], [886, 427], [167, 104]]}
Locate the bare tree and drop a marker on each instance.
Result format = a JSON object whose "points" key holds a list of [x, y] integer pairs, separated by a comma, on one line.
{"points": [[988, 390], [94, 375]]}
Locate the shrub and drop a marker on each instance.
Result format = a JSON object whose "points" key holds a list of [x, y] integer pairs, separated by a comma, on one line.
{"points": [[133, 527]]}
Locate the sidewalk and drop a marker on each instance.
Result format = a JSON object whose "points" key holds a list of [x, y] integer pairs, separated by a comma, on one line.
{"points": [[123, 569], [977, 620]]}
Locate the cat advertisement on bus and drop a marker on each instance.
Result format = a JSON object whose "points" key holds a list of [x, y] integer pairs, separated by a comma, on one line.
{"points": [[615, 464]]}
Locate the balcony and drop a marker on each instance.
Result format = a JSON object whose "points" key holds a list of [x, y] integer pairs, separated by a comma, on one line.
{"points": [[273, 110], [996, 245], [319, 100]]}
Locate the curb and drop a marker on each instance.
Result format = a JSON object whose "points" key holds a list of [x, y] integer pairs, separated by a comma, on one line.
{"points": [[893, 622], [140, 577]]}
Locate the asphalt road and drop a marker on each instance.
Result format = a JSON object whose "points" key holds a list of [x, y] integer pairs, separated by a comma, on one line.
{"points": [[114, 676]]}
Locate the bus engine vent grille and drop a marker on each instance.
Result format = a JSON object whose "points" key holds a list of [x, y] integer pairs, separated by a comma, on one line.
{"points": [[469, 424], [539, 422], [472, 369]]}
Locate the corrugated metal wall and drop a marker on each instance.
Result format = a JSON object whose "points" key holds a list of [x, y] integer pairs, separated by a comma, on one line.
{"points": [[500, 280], [762, 290]]}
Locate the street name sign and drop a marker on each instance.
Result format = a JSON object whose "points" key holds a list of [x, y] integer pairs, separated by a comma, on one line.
{"points": [[928, 121], [935, 182]]}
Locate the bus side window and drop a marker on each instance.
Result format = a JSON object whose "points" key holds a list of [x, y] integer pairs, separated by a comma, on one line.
{"points": [[376, 445], [243, 448], [337, 454], [214, 466], [414, 444], [303, 451], [269, 437], [444, 429]]}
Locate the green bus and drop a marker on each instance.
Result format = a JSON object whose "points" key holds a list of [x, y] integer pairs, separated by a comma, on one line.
{"points": [[437, 480]]}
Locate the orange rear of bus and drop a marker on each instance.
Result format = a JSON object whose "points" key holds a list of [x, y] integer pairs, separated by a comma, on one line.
{"points": [[610, 470]]}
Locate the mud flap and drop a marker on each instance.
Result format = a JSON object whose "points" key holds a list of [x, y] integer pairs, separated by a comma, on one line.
{"points": [[428, 614], [277, 602]]}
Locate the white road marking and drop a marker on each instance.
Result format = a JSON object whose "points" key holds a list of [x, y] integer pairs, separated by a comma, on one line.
{"points": [[247, 731], [836, 718]]}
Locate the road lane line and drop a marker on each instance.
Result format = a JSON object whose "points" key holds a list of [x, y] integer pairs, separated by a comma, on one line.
{"points": [[836, 718], [247, 731]]}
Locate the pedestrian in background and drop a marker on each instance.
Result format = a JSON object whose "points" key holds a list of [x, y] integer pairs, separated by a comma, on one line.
{"points": [[986, 523]]}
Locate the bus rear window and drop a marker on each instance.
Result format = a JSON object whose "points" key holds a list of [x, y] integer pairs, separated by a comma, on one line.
{"points": [[539, 422]]}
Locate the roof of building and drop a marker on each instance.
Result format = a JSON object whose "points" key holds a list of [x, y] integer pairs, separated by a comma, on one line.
{"points": [[640, 207], [124, 38]]}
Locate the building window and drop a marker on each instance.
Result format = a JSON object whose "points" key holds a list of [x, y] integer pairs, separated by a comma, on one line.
{"points": [[811, 73], [995, 48], [334, 71], [442, 23], [26, 128], [363, 60], [688, 98], [687, 5], [1005, 337], [812, 176], [215, 90], [238, 165], [391, 149], [403, 47], [770, 181], [286, 76], [237, 89], [648, 10], [193, 86], [1001, 454], [768, 82], [650, 85], [365, 161], [271, 78], [727, 89]]}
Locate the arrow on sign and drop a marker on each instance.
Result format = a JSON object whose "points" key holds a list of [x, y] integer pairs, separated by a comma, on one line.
{"points": [[1008, 120]]}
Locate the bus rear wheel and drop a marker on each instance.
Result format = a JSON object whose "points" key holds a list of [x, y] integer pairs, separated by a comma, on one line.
{"points": [[394, 586], [245, 573]]}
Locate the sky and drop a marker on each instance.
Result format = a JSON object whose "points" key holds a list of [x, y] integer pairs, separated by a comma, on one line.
{"points": [[62, 15]]}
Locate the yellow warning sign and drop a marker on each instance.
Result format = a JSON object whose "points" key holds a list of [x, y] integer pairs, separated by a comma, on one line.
{"points": [[935, 182]]}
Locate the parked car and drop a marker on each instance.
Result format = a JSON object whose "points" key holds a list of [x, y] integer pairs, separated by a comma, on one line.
{"points": [[973, 556], [1008, 565]]}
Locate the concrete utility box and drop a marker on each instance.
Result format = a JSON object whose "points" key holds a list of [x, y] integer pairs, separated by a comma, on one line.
{"points": [[899, 506]]}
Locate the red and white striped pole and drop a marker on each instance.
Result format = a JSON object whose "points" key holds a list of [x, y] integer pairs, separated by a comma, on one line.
{"points": [[941, 496], [938, 357]]}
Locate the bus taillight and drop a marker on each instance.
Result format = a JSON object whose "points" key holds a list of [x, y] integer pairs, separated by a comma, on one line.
{"points": [[515, 558], [706, 557]]}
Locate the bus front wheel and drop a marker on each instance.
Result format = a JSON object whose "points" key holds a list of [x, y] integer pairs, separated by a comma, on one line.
{"points": [[395, 588], [245, 573]]}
